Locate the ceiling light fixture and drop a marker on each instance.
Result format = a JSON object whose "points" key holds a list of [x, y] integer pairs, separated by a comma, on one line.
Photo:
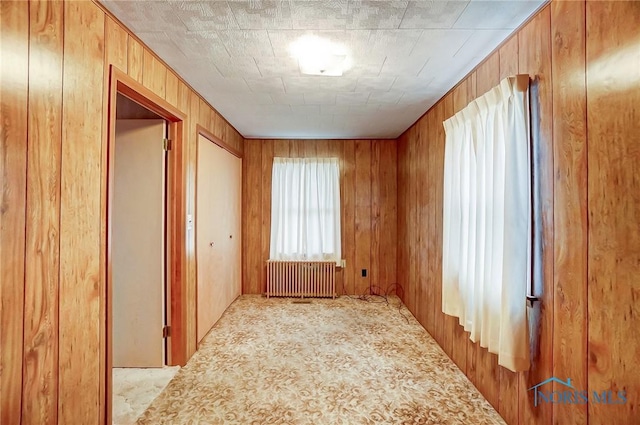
{"points": [[319, 56]]}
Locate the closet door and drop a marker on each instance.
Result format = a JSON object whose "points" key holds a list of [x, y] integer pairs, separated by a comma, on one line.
{"points": [[218, 215]]}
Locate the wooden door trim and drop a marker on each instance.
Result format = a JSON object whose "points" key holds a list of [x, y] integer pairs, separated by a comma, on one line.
{"points": [[201, 131], [121, 83]]}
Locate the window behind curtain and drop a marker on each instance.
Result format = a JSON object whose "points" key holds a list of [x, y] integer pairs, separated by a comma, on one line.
{"points": [[305, 209], [486, 252]]}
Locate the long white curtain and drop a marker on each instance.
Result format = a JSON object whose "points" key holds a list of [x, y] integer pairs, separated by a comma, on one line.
{"points": [[305, 209], [486, 260]]}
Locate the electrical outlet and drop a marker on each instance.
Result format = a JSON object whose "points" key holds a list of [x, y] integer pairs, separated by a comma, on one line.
{"points": [[364, 272]]}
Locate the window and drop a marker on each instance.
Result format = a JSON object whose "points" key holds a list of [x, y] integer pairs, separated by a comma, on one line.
{"points": [[305, 209], [486, 259]]}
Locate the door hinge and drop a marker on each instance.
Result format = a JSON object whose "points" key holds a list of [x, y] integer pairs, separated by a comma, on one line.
{"points": [[166, 331], [166, 144]]}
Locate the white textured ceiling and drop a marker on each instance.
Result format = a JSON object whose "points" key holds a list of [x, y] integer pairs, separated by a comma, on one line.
{"points": [[406, 55]]}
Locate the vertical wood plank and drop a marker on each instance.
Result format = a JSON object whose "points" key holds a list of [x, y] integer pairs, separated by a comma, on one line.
{"points": [[472, 348], [204, 115], [135, 59], [80, 279], [349, 215], [570, 204], [435, 177], [374, 275], [450, 323], [267, 165], [535, 59], [14, 20], [281, 148], [423, 290], [252, 209], [508, 54], [154, 73], [362, 215], [40, 370], [509, 381], [402, 222], [460, 98], [613, 96], [488, 372], [171, 90], [413, 223], [388, 213], [116, 44]]}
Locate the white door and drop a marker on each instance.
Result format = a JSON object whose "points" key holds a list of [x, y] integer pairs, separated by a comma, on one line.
{"points": [[218, 227], [138, 244]]}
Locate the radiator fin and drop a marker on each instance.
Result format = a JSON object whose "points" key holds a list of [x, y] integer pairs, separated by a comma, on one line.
{"points": [[304, 279]]}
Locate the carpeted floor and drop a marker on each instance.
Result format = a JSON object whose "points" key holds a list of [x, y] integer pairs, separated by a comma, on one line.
{"points": [[135, 388], [343, 361]]}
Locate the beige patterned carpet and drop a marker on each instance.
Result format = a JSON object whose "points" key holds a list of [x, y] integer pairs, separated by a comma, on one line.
{"points": [[343, 361]]}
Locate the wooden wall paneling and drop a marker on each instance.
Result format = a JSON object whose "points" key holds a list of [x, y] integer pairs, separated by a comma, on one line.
{"points": [[568, 33], [14, 20], [188, 101], [281, 148], [348, 215], [472, 347], [450, 323], [423, 289], [460, 339], [613, 96], [40, 364], [135, 59], [436, 178], [535, 59], [508, 54], [116, 45], [362, 215], [509, 385], [413, 223], [294, 149], [488, 372], [388, 184], [402, 202], [154, 73], [213, 123], [308, 148], [374, 272], [80, 235], [322, 148], [335, 149], [204, 115], [252, 208], [171, 88], [267, 165]]}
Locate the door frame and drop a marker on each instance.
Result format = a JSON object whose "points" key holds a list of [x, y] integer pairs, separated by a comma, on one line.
{"points": [[176, 248], [201, 131]]}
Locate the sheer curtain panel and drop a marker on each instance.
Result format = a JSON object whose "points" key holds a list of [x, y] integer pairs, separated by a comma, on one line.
{"points": [[486, 259], [305, 209]]}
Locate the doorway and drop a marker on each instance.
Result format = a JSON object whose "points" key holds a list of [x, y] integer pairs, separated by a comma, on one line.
{"points": [[139, 254], [165, 245]]}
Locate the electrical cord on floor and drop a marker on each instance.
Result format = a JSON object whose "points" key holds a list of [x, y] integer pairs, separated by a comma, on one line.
{"points": [[375, 294]]}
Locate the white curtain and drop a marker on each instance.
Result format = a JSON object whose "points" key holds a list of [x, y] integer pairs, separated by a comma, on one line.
{"points": [[486, 259], [305, 209]]}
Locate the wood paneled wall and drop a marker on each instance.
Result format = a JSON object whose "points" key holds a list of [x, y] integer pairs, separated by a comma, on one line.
{"points": [[368, 202], [56, 58], [585, 62]]}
